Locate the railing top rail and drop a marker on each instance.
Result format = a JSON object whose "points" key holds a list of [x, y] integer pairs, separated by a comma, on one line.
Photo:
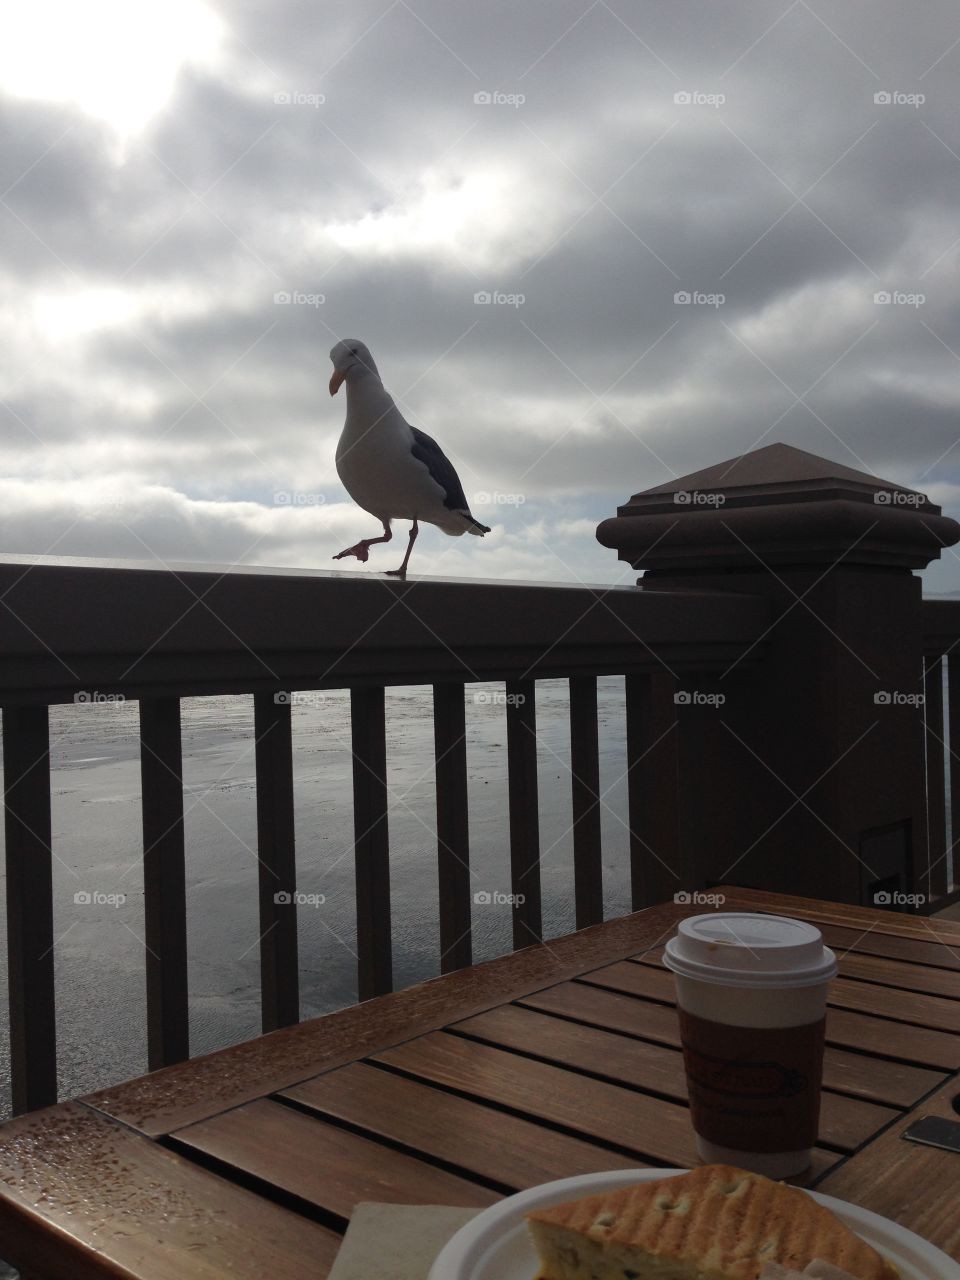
{"points": [[186, 568], [941, 624], [138, 629]]}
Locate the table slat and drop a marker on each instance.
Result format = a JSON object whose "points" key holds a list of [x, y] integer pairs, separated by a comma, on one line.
{"points": [[930, 952], [655, 1130], [912, 1184], [879, 970], [897, 924], [84, 1197], [854, 1029], [330, 1167], [940, 1013], [190, 1091], [845, 1122], [895, 1083], [504, 1148]]}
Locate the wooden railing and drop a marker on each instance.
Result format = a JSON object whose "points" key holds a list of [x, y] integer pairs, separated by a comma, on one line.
{"points": [[71, 630], [941, 644]]}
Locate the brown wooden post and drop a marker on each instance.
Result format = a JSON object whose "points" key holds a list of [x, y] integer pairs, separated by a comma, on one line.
{"points": [[803, 772], [30, 936], [164, 882]]}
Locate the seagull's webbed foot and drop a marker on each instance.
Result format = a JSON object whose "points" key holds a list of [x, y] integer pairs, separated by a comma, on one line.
{"points": [[360, 549], [397, 573]]}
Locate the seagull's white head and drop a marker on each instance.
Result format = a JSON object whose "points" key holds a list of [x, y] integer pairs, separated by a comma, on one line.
{"points": [[351, 359]]}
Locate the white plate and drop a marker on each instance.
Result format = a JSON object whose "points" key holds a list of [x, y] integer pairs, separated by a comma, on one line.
{"points": [[497, 1246]]}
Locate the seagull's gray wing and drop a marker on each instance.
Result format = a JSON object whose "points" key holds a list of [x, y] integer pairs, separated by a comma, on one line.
{"points": [[426, 450]]}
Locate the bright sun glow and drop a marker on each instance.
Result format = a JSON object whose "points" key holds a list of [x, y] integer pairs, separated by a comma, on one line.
{"points": [[115, 59], [471, 219]]}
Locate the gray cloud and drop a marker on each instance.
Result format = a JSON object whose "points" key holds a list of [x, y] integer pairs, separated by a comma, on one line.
{"points": [[145, 349]]}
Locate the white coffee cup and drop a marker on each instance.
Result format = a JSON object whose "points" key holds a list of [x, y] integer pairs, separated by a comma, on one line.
{"points": [[752, 996]]}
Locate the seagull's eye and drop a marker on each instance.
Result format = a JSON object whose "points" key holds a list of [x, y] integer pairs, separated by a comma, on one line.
{"points": [[353, 351]]}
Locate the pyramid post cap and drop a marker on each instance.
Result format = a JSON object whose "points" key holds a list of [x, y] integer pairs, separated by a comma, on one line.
{"points": [[771, 473], [778, 505]]}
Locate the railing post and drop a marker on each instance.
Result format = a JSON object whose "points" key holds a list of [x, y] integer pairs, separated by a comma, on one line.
{"points": [[953, 724], [524, 813], [164, 889], [26, 790], [585, 788], [653, 789], [803, 772], [932, 871], [372, 841], [277, 863], [453, 839]]}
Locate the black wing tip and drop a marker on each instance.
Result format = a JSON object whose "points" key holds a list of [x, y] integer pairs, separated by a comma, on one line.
{"points": [[481, 528]]}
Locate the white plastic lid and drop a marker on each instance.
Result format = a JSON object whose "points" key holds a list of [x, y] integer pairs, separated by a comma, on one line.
{"points": [[744, 949]]}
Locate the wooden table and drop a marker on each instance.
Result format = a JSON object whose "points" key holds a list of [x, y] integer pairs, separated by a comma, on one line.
{"points": [[558, 1059]]}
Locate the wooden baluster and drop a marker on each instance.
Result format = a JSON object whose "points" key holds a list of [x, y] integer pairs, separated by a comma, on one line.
{"points": [[453, 839], [277, 862], [934, 883], [953, 719], [372, 841], [585, 770], [164, 889], [524, 814], [653, 789], [33, 1031]]}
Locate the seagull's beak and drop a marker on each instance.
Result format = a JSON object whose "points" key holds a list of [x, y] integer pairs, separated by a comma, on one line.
{"points": [[336, 379]]}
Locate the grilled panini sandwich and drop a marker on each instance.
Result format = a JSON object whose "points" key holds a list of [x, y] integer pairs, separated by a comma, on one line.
{"points": [[714, 1223]]}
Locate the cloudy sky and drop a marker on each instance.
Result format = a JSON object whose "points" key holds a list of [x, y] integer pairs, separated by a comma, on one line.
{"points": [[198, 199]]}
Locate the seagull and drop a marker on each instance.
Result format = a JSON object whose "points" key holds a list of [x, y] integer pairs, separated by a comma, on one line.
{"points": [[389, 468]]}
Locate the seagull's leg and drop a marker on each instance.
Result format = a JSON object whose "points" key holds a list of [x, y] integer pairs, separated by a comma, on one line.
{"points": [[361, 548], [402, 571]]}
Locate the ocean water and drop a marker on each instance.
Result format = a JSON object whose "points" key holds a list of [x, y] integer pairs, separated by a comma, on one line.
{"points": [[97, 847]]}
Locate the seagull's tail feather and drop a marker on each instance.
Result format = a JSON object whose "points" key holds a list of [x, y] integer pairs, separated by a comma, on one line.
{"points": [[475, 525]]}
